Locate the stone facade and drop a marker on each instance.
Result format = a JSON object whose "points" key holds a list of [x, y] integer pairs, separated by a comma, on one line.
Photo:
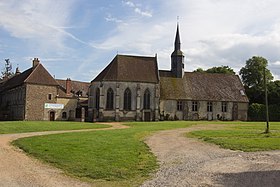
{"points": [[36, 97], [118, 113], [174, 94], [12, 106], [170, 110]]}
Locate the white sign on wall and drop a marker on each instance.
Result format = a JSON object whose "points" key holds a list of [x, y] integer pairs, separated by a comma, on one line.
{"points": [[54, 106]]}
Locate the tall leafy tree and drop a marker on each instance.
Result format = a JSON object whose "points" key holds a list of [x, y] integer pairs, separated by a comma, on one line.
{"points": [[252, 74]]}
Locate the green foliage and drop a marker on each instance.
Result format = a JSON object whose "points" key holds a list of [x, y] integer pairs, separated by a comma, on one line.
{"points": [[274, 92], [253, 73], [200, 70], [245, 137], [106, 157], [256, 112], [9, 127], [220, 69]]}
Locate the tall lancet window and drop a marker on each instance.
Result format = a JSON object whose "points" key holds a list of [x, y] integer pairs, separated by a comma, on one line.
{"points": [[147, 96], [97, 96], [127, 100], [110, 99]]}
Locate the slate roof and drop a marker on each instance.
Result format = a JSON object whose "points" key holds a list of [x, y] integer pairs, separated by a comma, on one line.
{"points": [[76, 86], [202, 87], [130, 69], [35, 75]]}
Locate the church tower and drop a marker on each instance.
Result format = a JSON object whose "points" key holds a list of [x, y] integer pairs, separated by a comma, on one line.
{"points": [[177, 57]]}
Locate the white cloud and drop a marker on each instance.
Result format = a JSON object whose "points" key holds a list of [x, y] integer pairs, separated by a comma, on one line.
{"points": [[43, 21], [143, 13], [137, 9], [110, 18]]}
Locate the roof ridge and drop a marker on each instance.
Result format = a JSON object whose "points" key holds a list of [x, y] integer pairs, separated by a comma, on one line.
{"points": [[32, 72]]}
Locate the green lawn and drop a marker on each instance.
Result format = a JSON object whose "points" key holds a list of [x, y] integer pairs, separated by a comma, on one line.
{"points": [[244, 136], [121, 158], [9, 127], [110, 158]]}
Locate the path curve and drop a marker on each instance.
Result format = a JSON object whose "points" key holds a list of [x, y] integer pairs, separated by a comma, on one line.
{"points": [[190, 162], [19, 170]]}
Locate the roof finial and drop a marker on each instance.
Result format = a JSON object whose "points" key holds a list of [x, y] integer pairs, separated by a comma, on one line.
{"points": [[178, 19]]}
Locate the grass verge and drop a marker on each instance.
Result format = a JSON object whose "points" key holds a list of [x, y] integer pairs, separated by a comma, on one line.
{"points": [[245, 136], [108, 158], [9, 127]]}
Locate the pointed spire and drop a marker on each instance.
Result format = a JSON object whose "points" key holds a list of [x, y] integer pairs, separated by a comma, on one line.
{"points": [[177, 43]]}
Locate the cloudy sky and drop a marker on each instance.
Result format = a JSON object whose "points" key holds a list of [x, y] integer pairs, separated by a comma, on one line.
{"points": [[78, 38]]}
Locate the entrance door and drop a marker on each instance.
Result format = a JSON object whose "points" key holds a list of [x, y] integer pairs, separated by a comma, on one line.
{"points": [[235, 111], [52, 116], [147, 116]]}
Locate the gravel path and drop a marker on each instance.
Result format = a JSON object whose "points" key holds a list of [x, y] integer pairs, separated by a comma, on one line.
{"points": [[19, 170], [183, 162], [190, 162]]}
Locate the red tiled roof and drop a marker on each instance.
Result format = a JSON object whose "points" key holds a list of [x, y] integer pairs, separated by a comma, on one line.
{"points": [[75, 87], [34, 75]]}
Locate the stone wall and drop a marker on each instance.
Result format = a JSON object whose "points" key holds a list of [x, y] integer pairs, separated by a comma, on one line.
{"points": [[36, 97], [168, 110], [118, 112], [12, 104]]}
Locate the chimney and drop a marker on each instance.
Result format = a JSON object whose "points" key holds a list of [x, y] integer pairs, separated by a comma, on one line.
{"points": [[68, 86], [17, 71], [36, 61]]}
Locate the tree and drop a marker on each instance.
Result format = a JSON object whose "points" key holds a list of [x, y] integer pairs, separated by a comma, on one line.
{"points": [[253, 73], [200, 70], [220, 69], [252, 76], [7, 71]]}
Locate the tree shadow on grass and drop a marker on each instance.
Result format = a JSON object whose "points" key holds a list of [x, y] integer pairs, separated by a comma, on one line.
{"points": [[255, 178]]}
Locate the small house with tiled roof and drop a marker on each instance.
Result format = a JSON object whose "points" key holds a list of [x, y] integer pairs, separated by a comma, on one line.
{"points": [[127, 89], [35, 95], [23, 96], [132, 88]]}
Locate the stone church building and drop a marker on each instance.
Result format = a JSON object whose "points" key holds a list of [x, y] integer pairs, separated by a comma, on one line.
{"points": [[133, 88]]}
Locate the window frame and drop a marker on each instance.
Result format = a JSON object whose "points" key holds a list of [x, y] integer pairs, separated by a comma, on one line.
{"points": [[224, 106], [127, 100], [50, 96], [179, 105], [97, 98], [209, 106], [64, 115], [194, 106], [110, 99], [147, 100]]}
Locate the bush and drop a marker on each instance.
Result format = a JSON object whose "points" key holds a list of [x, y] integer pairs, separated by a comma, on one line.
{"points": [[256, 112]]}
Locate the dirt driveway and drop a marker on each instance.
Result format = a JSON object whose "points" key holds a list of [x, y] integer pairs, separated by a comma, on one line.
{"points": [[183, 162], [190, 162], [19, 170]]}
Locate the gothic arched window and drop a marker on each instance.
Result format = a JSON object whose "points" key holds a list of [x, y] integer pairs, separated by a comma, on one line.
{"points": [[147, 99], [97, 96], [127, 99], [110, 99]]}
